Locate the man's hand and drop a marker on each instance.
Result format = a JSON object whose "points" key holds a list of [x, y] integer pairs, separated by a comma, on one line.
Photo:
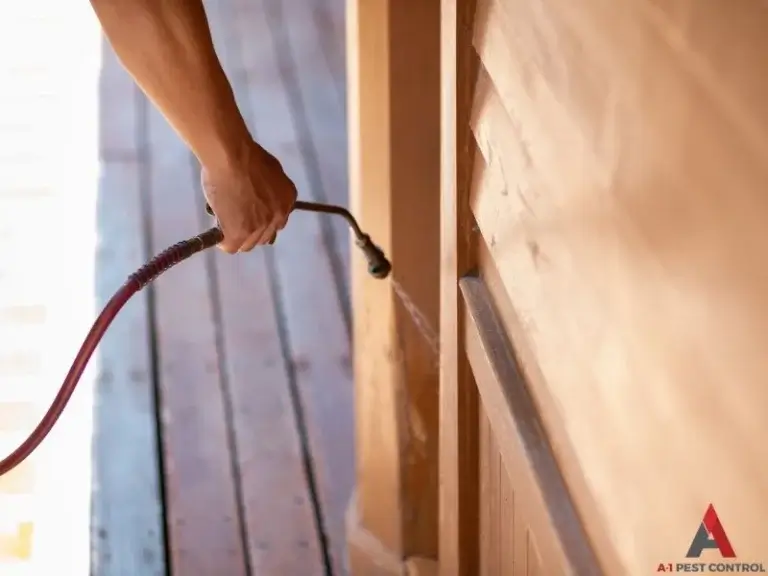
{"points": [[167, 48], [252, 199]]}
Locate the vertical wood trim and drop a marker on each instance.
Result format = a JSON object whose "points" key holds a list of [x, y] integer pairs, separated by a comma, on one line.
{"points": [[370, 197], [458, 543], [394, 131]]}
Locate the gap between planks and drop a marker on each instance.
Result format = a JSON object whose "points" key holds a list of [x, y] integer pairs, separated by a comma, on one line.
{"points": [[319, 120], [316, 337], [127, 528], [205, 529]]}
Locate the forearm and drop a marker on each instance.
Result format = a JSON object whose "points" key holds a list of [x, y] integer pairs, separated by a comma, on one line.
{"points": [[166, 46]]}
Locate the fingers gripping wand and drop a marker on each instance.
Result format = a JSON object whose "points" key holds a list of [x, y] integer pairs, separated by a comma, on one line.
{"points": [[378, 267]]}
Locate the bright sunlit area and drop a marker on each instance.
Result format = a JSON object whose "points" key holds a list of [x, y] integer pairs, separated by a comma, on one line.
{"points": [[50, 62]]}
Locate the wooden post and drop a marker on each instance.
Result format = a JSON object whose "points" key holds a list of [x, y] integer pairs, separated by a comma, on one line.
{"points": [[394, 120]]}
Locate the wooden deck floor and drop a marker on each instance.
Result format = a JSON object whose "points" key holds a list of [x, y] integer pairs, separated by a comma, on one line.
{"points": [[220, 403]]}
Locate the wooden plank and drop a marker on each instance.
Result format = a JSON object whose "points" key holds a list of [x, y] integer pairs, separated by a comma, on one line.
{"points": [[619, 241], [270, 459], [330, 16], [319, 117], [510, 510], [459, 442], [520, 438], [317, 339], [203, 521], [269, 453], [488, 460], [487, 183], [308, 77], [127, 522], [127, 534]]}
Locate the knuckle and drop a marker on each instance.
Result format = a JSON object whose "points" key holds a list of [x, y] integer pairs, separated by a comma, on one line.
{"points": [[256, 231], [237, 240], [228, 248]]}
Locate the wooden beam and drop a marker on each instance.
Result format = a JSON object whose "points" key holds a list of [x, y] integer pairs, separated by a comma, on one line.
{"points": [[394, 130]]}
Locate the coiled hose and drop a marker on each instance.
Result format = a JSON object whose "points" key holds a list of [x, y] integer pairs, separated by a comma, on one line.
{"points": [[378, 266]]}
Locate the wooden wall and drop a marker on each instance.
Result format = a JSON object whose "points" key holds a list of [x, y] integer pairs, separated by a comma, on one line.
{"points": [[616, 180]]}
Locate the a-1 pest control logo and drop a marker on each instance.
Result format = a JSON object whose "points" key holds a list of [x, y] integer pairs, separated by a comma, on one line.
{"points": [[711, 536]]}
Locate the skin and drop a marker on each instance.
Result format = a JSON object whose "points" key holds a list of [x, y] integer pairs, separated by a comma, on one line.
{"points": [[166, 46]]}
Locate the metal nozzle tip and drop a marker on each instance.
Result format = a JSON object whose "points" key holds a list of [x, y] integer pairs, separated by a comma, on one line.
{"points": [[380, 270], [378, 265]]}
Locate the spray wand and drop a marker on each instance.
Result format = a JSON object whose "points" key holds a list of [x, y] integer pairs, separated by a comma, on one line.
{"points": [[378, 267]]}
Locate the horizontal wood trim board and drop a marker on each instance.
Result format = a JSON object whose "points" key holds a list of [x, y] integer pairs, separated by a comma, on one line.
{"points": [[522, 441]]}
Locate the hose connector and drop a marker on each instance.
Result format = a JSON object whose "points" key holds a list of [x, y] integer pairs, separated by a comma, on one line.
{"points": [[378, 265]]}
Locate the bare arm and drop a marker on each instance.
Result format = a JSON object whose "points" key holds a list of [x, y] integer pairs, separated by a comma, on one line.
{"points": [[166, 46]]}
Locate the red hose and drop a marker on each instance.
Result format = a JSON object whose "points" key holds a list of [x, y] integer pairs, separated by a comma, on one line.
{"points": [[146, 274], [378, 266]]}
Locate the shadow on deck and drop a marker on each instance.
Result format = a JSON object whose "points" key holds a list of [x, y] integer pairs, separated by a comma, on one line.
{"points": [[247, 358]]}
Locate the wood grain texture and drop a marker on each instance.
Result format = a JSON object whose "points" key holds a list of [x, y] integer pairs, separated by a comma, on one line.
{"points": [[508, 545], [623, 208], [458, 404], [127, 531], [421, 567], [319, 114], [393, 83], [331, 18], [492, 549], [270, 461], [519, 439], [316, 338], [127, 514], [202, 513], [377, 428]]}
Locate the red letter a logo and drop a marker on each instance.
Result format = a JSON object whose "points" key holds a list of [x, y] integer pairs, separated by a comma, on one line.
{"points": [[710, 535]]}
